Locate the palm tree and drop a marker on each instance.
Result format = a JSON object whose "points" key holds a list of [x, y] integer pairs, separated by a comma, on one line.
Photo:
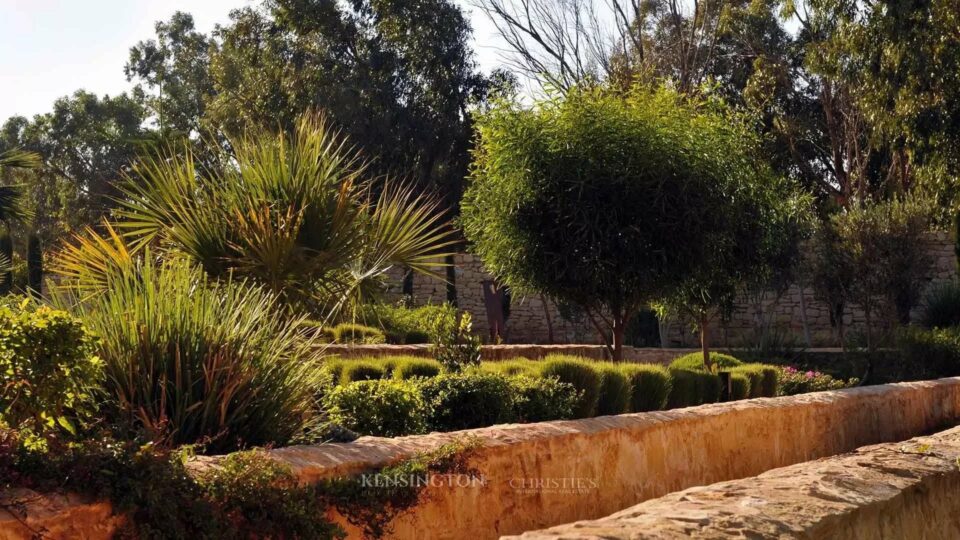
{"points": [[12, 208], [294, 213]]}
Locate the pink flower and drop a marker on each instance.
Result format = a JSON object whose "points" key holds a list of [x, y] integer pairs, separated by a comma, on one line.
{"points": [[811, 374]]}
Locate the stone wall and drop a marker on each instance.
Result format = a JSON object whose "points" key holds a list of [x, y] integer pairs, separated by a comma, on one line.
{"points": [[541, 475], [898, 490], [786, 315], [509, 352]]}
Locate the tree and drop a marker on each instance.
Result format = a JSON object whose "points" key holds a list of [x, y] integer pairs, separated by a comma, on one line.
{"points": [[293, 213], [607, 200], [873, 255]]}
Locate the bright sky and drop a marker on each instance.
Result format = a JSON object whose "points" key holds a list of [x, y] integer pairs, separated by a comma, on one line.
{"points": [[50, 48]]}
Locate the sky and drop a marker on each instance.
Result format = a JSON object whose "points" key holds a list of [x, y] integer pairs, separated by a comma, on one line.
{"points": [[50, 48]]}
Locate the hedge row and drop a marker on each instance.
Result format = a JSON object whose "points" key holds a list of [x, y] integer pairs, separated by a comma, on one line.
{"points": [[392, 396]]}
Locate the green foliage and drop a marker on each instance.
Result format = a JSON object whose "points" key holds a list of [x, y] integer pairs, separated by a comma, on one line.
{"points": [[467, 400], [569, 198], [190, 359], [34, 264], [357, 333], [579, 373], [931, 353], [538, 399], [49, 372], [409, 368], [650, 386], [690, 388], [293, 213], [694, 362], [739, 386], [513, 367], [385, 408], [353, 371], [455, 346], [941, 306], [615, 391], [406, 325], [793, 382], [6, 256]]}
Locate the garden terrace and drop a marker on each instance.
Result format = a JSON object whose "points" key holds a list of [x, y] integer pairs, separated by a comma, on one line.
{"points": [[629, 458]]}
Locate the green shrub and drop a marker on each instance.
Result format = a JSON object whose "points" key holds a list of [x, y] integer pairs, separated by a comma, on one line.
{"points": [[48, 368], [694, 361], [385, 408], [513, 367], [455, 346], [615, 391], [354, 371], [739, 386], [317, 330], [579, 373], [941, 306], [931, 353], [403, 324], [691, 388], [189, 359], [467, 400], [357, 333], [537, 399], [755, 376], [416, 337], [416, 367], [650, 386], [794, 381]]}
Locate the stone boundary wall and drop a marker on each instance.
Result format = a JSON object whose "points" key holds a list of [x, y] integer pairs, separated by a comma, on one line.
{"points": [[894, 490], [542, 475], [509, 352], [786, 315]]}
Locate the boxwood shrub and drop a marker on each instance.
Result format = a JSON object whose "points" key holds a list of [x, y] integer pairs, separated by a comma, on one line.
{"points": [[579, 373], [385, 408], [650, 386], [357, 333], [542, 399], [353, 371], [692, 388], [408, 368], [614, 390], [694, 361], [467, 400], [739, 386]]}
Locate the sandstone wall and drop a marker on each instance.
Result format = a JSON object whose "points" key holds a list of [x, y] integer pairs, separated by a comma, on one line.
{"points": [[541, 475], [785, 314], [900, 490]]}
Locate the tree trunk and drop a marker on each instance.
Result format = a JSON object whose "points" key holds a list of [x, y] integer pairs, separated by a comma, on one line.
{"points": [[869, 371], [546, 314], [619, 329], [705, 342]]}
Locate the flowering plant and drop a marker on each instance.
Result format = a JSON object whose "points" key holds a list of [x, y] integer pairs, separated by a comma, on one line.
{"points": [[794, 381]]}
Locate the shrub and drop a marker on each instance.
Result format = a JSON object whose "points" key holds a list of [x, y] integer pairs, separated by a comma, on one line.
{"points": [[357, 333], [467, 400], [406, 325], [579, 373], [755, 378], [692, 388], [941, 306], [188, 359], [793, 381], [354, 371], [931, 353], [614, 391], [739, 386], [513, 367], [694, 361], [48, 368], [650, 386], [538, 399], [764, 379], [385, 408], [416, 367], [455, 346]]}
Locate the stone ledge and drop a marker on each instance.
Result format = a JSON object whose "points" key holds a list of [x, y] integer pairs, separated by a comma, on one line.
{"points": [[894, 490]]}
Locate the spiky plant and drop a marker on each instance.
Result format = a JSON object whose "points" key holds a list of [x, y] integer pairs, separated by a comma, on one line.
{"points": [[188, 359], [292, 212]]}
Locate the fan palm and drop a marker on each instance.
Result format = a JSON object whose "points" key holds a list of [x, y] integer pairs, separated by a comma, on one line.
{"points": [[12, 208], [294, 213]]}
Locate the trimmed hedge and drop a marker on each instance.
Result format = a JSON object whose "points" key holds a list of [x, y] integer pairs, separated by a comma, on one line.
{"points": [[740, 386], [357, 333], [416, 367], [764, 379], [694, 361], [931, 353], [542, 400], [467, 400], [513, 367], [615, 391], [650, 386], [361, 371], [579, 373], [385, 408], [691, 388]]}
